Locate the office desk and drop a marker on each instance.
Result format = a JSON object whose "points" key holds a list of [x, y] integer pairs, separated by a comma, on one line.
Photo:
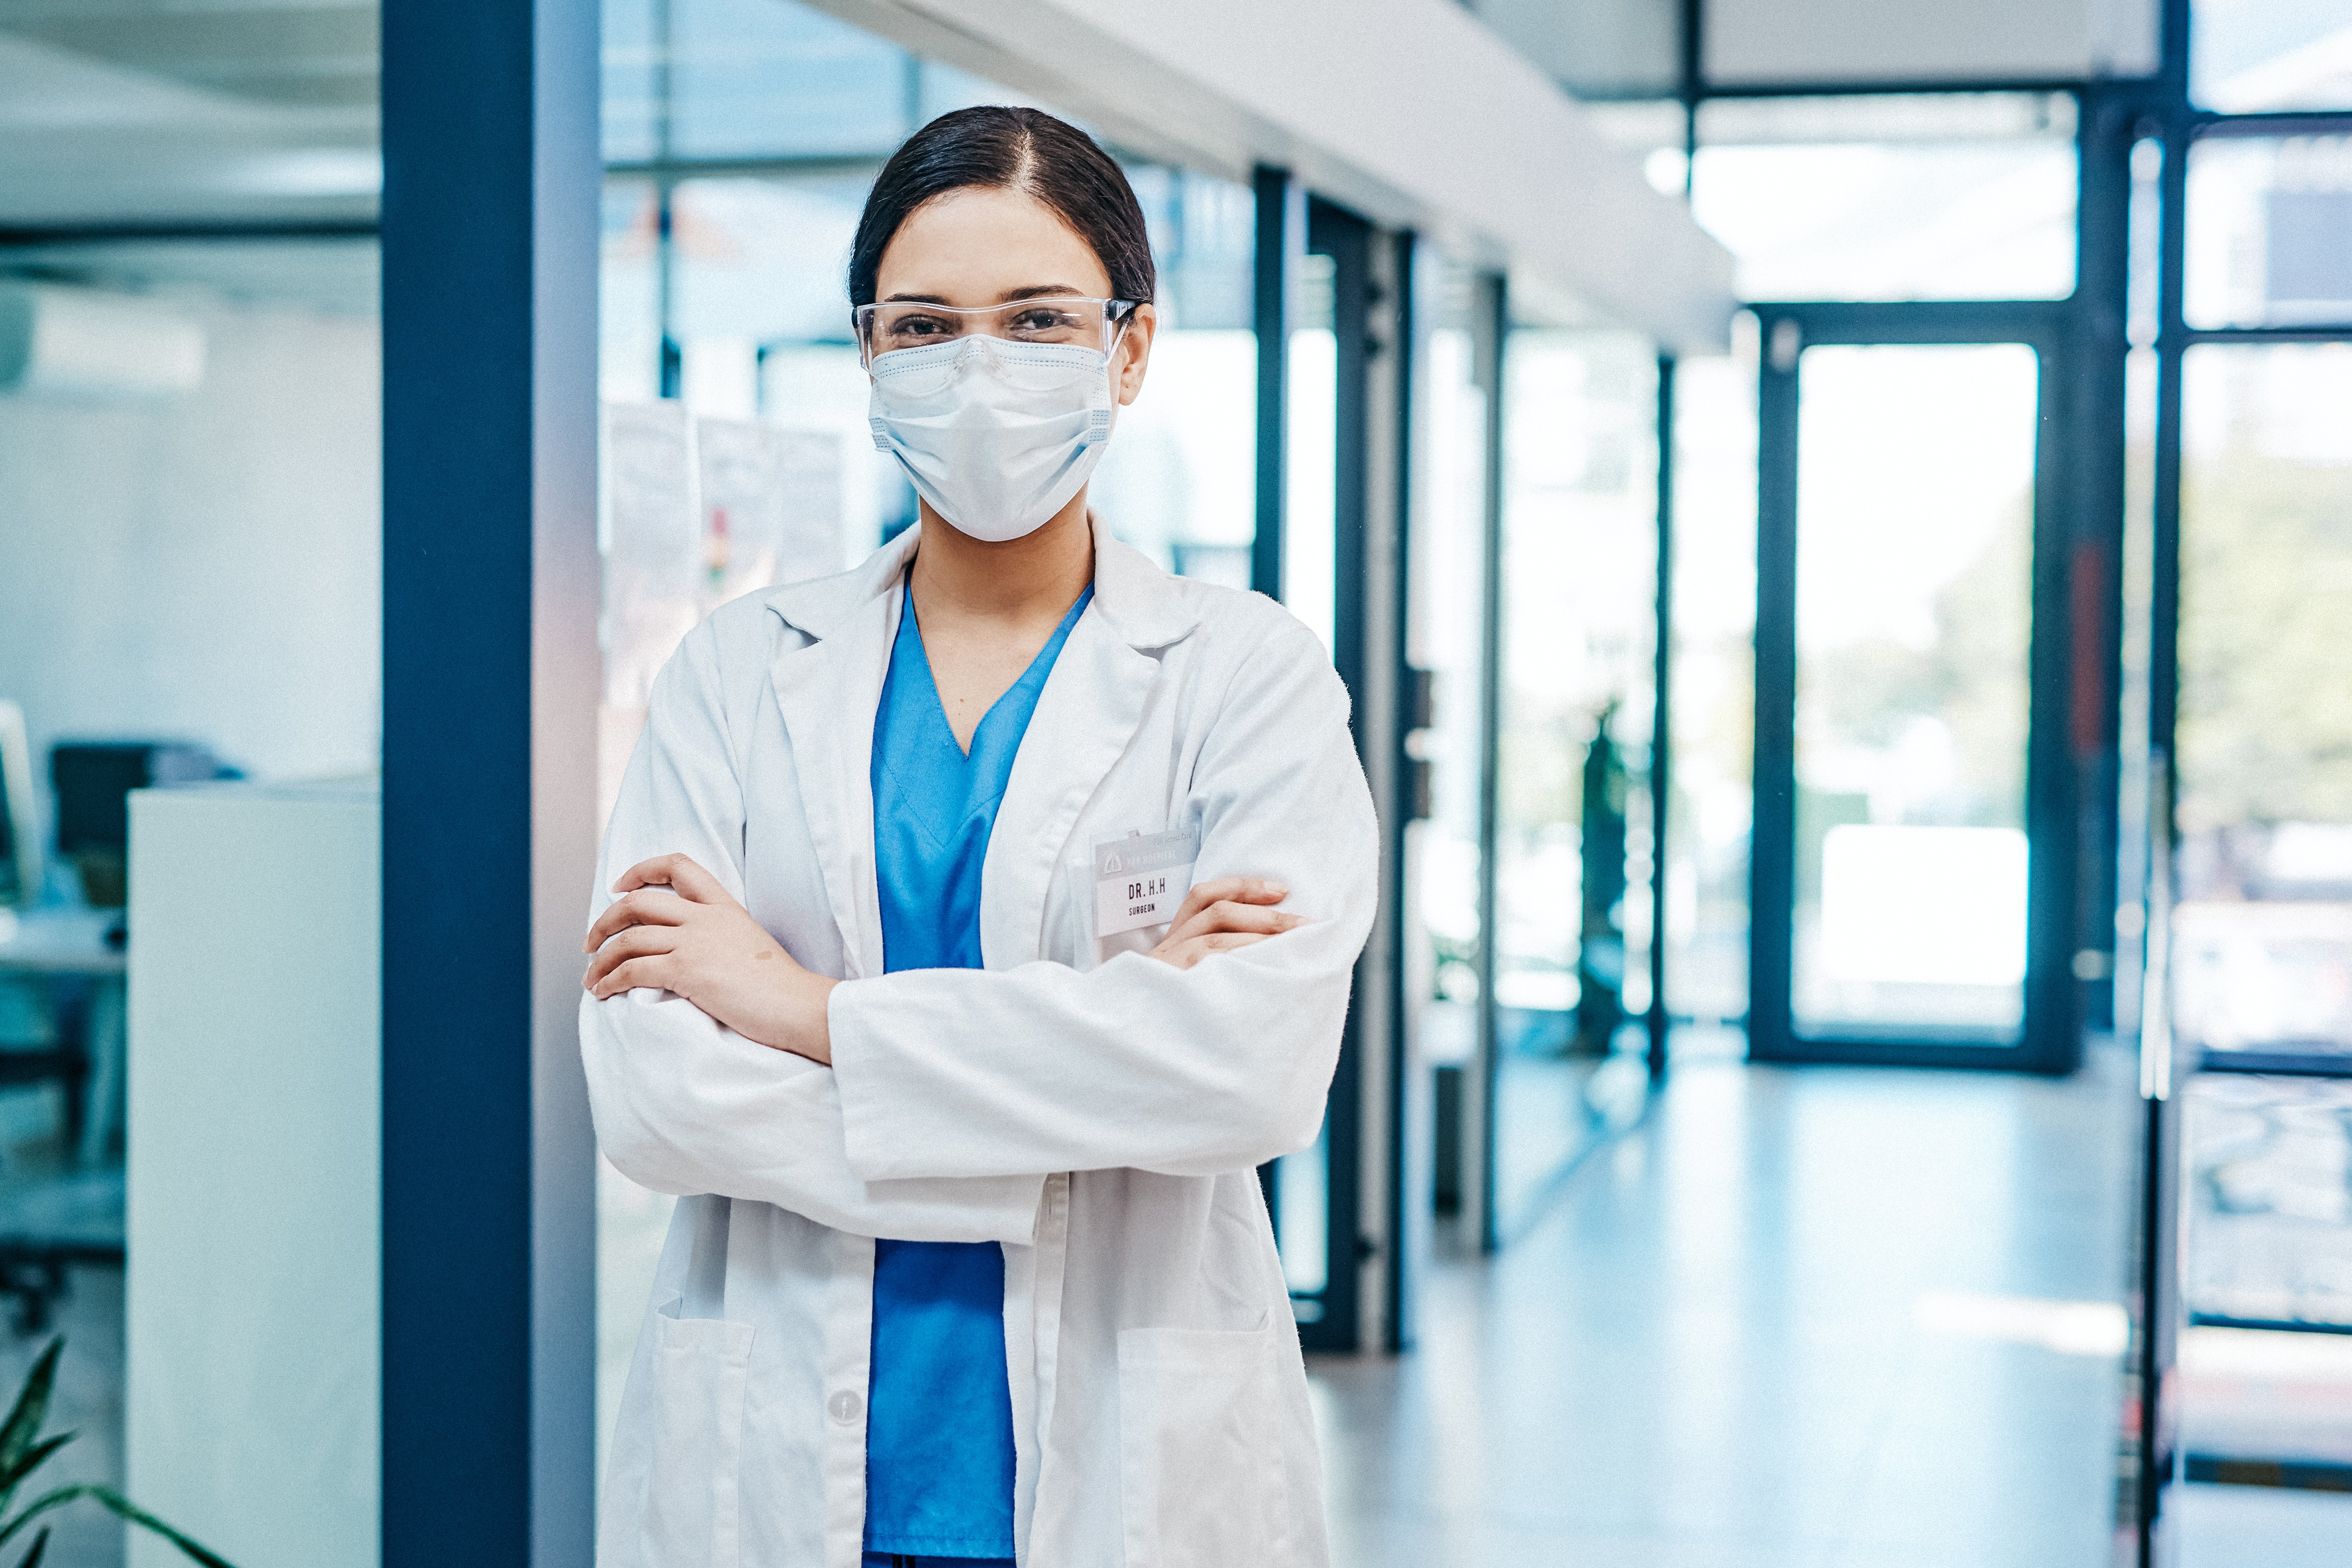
{"points": [[72, 943]]}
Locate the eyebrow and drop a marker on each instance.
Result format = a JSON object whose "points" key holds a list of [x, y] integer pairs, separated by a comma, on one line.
{"points": [[1011, 296]]}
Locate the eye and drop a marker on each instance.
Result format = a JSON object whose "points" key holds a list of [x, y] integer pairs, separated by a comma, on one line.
{"points": [[1037, 319]]}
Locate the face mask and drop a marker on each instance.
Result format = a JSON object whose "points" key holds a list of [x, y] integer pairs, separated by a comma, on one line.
{"points": [[998, 435]]}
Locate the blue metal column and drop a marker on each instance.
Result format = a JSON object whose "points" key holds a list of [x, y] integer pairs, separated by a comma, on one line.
{"points": [[1491, 334], [1658, 1022], [1772, 843], [490, 583], [1281, 244]]}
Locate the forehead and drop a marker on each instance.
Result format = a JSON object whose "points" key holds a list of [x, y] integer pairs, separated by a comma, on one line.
{"points": [[976, 246]]}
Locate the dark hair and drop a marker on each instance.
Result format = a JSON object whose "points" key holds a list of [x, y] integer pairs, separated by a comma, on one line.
{"points": [[997, 148]]}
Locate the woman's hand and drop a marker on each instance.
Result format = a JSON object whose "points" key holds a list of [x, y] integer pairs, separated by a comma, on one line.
{"points": [[1220, 916], [675, 928]]}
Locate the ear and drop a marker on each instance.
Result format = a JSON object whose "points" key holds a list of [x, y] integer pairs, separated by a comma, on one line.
{"points": [[1134, 351]]}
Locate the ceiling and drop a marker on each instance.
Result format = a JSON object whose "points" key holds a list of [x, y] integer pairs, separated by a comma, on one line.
{"points": [[139, 114]]}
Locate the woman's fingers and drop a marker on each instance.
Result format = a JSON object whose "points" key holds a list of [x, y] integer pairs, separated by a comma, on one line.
{"points": [[643, 906], [1229, 889], [646, 874], [651, 972], [636, 941], [680, 873], [1227, 906], [1229, 915]]}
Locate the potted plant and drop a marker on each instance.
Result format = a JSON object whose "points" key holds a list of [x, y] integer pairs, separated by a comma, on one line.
{"points": [[23, 1450]]}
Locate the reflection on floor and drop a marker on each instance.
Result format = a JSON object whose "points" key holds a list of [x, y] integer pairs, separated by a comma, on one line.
{"points": [[1551, 1110], [1826, 1317]]}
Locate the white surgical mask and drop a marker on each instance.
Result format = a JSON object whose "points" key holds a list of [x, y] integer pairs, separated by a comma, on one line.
{"points": [[997, 435]]}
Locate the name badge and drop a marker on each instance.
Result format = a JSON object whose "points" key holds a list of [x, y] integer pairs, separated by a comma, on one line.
{"points": [[1140, 879]]}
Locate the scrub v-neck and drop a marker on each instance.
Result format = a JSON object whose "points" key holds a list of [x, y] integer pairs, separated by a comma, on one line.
{"points": [[938, 1434]]}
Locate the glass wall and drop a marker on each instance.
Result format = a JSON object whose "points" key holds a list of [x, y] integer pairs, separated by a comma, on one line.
{"points": [[1310, 442], [1572, 868], [2255, 961], [2256, 54], [1445, 636], [1180, 479], [1714, 707], [2267, 221], [2262, 937]]}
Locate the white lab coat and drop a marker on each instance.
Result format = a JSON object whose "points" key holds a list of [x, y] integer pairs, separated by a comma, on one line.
{"points": [[1096, 1111]]}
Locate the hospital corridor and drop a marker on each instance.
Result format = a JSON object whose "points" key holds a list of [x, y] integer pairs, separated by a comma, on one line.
{"points": [[1440, 784]]}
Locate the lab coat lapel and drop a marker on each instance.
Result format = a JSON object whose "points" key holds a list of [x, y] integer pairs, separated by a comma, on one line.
{"points": [[1088, 713], [827, 692], [1084, 718]]}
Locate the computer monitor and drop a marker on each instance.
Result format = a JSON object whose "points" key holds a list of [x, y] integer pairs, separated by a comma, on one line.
{"points": [[20, 839], [91, 781]]}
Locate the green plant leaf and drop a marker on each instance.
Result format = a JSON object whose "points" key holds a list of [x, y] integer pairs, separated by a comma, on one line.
{"points": [[39, 1506], [124, 1508], [24, 1423], [13, 1475], [40, 1548]]}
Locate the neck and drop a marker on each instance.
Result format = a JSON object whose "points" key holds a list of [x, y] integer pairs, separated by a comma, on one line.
{"points": [[1040, 574]]}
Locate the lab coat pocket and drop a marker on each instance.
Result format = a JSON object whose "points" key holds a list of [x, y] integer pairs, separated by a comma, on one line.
{"points": [[1201, 1462], [700, 1366]]}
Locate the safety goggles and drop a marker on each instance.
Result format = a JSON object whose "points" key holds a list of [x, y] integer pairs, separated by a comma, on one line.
{"points": [[893, 325]]}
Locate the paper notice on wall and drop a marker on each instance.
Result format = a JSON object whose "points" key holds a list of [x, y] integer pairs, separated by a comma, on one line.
{"points": [[771, 505], [814, 540], [652, 544]]}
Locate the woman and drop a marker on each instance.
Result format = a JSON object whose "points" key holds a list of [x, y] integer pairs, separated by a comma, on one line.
{"points": [[980, 918]]}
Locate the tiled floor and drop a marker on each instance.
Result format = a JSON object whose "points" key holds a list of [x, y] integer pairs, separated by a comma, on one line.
{"points": [[1826, 1317], [1814, 1319], [1823, 1318]]}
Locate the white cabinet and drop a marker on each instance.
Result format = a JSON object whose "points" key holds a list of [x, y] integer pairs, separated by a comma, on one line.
{"points": [[253, 1317]]}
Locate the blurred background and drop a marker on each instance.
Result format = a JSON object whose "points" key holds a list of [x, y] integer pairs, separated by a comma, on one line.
{"points": [[1836, 515]]}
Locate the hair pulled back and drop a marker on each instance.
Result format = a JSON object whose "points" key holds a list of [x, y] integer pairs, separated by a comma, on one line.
{"points": [[994, 147]]}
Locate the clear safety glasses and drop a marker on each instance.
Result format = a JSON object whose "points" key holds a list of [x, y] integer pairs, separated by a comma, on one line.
{"points": [[1057, 318]]}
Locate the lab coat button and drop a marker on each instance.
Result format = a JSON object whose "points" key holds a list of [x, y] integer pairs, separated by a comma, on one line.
{"points": [[844, 1406]]}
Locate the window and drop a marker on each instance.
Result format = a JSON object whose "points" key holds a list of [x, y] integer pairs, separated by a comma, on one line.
{"points": [[1966, 196]]}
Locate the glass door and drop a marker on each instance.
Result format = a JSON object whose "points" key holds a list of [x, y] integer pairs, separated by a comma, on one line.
{"points": [[1913, 889]]}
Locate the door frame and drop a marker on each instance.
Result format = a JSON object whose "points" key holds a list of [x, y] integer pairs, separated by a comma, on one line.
{"points": [[2050, 1038], [1359, 1304], [1336, 1320]]}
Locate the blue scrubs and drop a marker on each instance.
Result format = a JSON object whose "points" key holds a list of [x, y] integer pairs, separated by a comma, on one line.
{"points": [[938, 1433]]}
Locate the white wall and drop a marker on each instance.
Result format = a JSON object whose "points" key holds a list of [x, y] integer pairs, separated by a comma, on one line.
{"points": [[207, 568]]}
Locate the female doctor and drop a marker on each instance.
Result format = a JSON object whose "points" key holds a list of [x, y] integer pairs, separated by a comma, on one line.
{"points": [[979, 920]]}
